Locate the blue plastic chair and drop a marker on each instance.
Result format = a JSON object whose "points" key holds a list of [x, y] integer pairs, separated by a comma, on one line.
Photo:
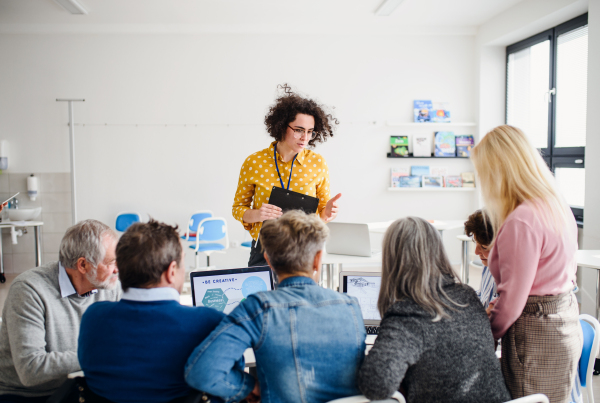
{"points": [[591, 330], [125, 219], [211, 236], [193, 222]]}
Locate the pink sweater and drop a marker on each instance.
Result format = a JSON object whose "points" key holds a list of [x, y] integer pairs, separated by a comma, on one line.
{"points": [[529, 259]]}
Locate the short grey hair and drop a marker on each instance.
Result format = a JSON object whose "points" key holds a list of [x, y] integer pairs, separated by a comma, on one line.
{"points": [[292, 241], [84, 239], [415, 266]]}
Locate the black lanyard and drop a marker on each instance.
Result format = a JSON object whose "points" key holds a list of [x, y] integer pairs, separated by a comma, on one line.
{"points": [[277, 167]]}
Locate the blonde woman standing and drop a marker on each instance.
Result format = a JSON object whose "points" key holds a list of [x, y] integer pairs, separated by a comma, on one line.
{"points": [[533, 262]]}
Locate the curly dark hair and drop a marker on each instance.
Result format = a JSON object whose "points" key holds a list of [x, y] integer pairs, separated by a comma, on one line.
{"points": [[480, 227], [285, 109]]}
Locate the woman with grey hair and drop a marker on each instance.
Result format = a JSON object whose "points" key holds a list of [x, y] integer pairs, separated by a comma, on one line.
{"points": [[435, 343], [308, 341]]}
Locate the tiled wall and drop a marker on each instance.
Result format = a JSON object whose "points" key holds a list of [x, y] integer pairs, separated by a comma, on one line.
{"points": [[54, 197]]}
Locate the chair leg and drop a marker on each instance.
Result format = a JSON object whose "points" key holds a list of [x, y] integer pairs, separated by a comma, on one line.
{"points": [[197, 261], [207, 260]]}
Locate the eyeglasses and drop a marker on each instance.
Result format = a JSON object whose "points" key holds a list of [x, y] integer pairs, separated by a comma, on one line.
{"points": [[299, 133]]}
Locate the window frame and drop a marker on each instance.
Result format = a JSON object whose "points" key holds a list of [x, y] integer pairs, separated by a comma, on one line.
{"points": [[562, 157]]}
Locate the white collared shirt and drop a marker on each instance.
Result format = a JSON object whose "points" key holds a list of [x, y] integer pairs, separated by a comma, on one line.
{"points": [[151, 294], [64, 282]]}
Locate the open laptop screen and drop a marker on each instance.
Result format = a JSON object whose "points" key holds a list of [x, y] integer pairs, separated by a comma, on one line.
{"points": [[223, 290], [365, 287]]}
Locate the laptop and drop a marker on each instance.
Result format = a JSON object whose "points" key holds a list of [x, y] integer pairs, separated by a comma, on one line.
{"points": [[364, 286], [349, 239], [223, 290]]}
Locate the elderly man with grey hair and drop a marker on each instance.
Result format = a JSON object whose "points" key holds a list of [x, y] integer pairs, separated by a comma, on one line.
{"points": [[43, 310]]}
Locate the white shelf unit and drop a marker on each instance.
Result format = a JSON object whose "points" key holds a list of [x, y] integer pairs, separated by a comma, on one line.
{"points": [[397, 123], [440, 189]]}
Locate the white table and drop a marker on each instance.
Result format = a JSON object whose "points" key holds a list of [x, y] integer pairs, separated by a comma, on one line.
{"points": [[37, 241], [440, 225], [591, 259]]}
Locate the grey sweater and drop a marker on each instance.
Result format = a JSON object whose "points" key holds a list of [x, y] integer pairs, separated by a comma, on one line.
{"points": [[451, 360], [38, 338]]}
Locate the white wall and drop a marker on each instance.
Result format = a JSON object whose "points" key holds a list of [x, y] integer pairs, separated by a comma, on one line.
{"points": [[223, 84]]}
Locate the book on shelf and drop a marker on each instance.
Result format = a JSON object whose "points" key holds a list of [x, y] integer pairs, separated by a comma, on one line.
{"points": [[430, 181], [445, 144], [419, 170], [422, 145], [468, 179], [399, 146], [410, 181], [453, 181], [439, 171], [422, 110], [396, 174], [440, 112], [464, 145]]}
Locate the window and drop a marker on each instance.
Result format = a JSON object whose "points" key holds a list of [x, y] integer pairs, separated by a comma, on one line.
{"points": [[546, 97]]}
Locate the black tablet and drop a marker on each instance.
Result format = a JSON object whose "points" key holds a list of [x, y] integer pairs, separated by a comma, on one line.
{"points": [[290, 200]]}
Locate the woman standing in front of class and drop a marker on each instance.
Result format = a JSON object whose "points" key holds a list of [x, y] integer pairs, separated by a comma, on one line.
{"points": [[533, 263], [295, 123]]}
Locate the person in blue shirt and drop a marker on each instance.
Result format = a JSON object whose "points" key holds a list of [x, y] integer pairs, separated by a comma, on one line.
{"points": [[135, 350], [308, 341]]}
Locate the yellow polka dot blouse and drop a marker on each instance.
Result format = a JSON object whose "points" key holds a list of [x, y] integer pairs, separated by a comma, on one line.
{"points": [[258, 176]]}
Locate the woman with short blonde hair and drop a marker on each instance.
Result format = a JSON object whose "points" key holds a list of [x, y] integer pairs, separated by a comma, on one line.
{"points": [[533, 262]]}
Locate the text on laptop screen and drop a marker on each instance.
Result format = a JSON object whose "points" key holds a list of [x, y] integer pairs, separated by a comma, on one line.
{"points": [[366, 290], [225, 292]]}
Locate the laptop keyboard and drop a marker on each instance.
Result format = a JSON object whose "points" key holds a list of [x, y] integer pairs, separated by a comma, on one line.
{"points": [[372, 329]]}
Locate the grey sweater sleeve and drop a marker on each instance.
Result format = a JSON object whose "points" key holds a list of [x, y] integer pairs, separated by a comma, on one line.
{"points": [[397, 346], [27, 335]]}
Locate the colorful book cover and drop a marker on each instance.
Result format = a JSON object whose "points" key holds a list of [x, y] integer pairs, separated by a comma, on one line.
{"points": [[439, 171], [399, 145], [422, 145], [410, 181], [468, 179], [422, 111], [445, 144], [430, 181], [464, 145], [453, 181], [419, 170], [440, 112], [396, 174]]}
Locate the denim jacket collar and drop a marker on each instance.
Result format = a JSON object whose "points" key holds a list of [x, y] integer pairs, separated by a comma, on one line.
{"points": [[296, 281]]}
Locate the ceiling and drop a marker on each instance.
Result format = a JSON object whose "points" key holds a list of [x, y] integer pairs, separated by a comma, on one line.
{"points": [[293, 16]]}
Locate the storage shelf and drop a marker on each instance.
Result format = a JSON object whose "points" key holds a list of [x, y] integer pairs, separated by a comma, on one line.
{"points": [[440, 189], [398, 123], [389, 155]]}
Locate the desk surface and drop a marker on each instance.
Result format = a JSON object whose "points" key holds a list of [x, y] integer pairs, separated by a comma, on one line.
{"points": [[332, 258], [6, 224], [589, 259]]}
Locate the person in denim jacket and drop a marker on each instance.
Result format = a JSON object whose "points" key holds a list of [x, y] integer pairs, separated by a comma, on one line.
{"points": [[308, 341]]}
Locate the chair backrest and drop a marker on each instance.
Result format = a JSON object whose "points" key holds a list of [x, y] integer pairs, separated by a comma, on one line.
{"points": [[591, 332], [125, 219], [211, 229], [196, 218]]}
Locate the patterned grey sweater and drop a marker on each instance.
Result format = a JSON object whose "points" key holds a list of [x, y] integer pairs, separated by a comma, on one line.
{"points": [[451, 360], [38, 338]]}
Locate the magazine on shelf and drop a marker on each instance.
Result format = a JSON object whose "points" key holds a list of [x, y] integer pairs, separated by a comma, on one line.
{"points": [[422, 145], [430, 181], [422, 111], [464, 145], [410, 181], [419, 170], [445, 144], [440, 112], [396, 174], [468, 179], [439, 171], [399, 146], [453, 181]]}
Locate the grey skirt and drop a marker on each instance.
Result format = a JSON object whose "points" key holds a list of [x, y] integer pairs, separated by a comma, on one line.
{"points": [[541, 350]]}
